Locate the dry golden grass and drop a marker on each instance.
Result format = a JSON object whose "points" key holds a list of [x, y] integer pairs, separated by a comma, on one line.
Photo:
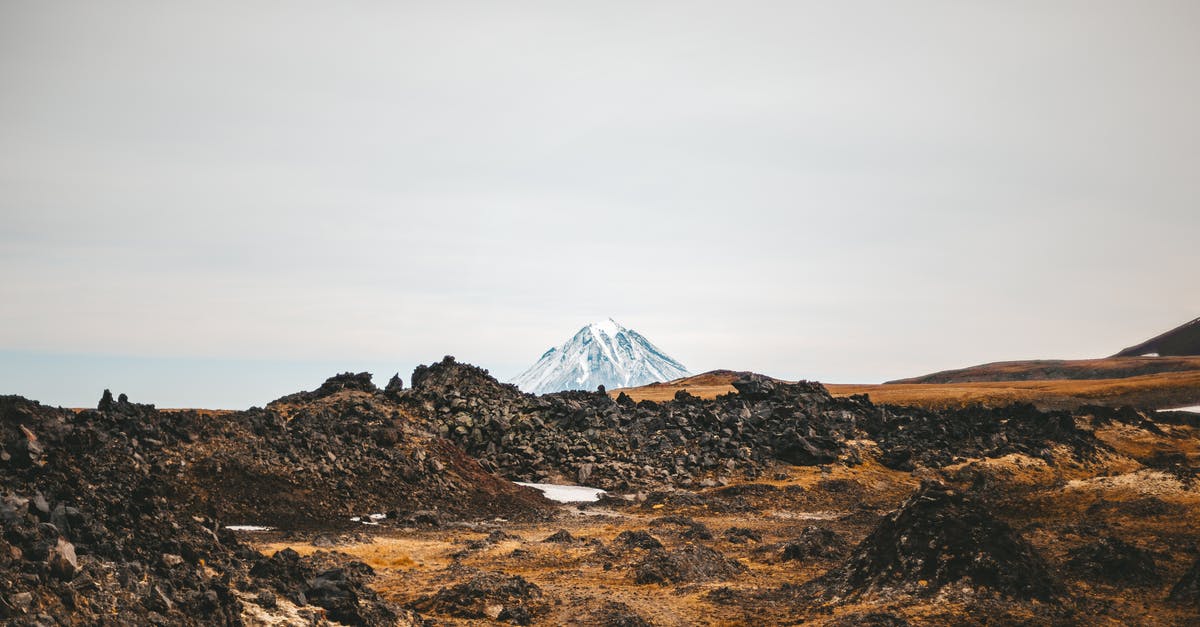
{"points": [[1043, 369], [1170, 389], [1165, 390]]}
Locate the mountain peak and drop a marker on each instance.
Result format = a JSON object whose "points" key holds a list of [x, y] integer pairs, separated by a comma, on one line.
{"points": [[608, 326], [601, 353]]}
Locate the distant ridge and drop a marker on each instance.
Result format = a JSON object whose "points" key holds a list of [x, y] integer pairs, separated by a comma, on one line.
{"points": [[602, 353], [1180, 341]]}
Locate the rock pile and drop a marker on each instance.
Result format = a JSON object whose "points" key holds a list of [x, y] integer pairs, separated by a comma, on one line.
{"points": [[938, 538], [488, 595], [348, 453], [616, 444], [342, 590], [935, 439], [1112, 560], [687, 564], [92, 526], [814, 543]]}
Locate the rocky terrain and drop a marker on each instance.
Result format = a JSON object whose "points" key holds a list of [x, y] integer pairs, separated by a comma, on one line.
{"points": [[772, 503]]}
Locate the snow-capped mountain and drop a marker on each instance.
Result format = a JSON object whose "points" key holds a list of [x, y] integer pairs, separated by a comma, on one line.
{"points": [[602, 353]]}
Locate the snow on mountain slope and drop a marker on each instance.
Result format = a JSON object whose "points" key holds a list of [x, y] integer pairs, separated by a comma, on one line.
{"points": [[602, 353]]}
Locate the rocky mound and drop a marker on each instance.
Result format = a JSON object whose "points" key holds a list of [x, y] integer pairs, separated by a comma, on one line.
{"points": [[937, 538], [341, 590], [814, 543], [500, 597], [683, 526], [741, 535], [92, 526], [335, 457], [347, 381], [1114, 561], [1187, 589], [638, 539], [687, 564]]}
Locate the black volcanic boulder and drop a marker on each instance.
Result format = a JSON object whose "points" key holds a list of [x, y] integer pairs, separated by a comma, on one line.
{"points": [[940, 537]]}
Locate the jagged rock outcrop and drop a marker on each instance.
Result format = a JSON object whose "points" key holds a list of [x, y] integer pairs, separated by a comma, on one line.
{"points": [[92, 526]]}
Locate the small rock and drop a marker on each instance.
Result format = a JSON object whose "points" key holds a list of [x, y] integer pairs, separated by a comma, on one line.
{"points": [[62, 560]]}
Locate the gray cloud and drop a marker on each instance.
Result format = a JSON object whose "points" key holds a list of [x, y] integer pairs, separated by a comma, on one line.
{"points": [[849, 191]]}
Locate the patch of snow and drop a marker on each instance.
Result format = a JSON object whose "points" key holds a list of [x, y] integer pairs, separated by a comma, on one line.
{"points": [[248, 528], [1191, 408], [566, 493], [378, 516], [1150, 355]]}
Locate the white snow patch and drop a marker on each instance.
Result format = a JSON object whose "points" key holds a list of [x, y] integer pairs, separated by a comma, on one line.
{"points": [[566, 493], [609, 327], [248, 528], [1191, 408]]}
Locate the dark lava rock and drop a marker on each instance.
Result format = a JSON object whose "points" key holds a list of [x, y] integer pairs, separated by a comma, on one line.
{"points": [[1187, 589], [122, 510], [936, 538], [395, 385], [62, 560], [636, 540], [342, 591], [684, 526], [1114, 561], [690, 563], [741, 535], [360, 382], [689, 442], [520, 601], [911, 436], [814, 542], [562, 536]]}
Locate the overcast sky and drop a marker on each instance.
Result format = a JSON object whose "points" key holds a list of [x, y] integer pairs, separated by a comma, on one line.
{"points": [[217, 203]]}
